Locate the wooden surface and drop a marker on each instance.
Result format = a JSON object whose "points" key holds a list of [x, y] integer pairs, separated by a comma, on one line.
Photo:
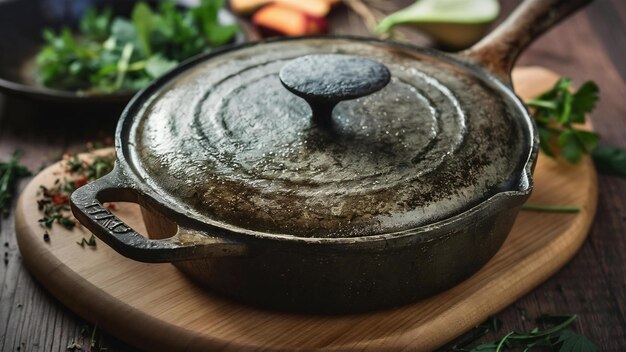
{"points": [[134, 300], [590, 45]]}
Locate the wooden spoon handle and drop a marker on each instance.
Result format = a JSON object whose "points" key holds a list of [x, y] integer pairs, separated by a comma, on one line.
{"points": [[499, 50]]}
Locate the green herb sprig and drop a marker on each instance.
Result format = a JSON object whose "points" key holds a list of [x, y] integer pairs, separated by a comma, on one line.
{"points": [[558, 111], [115, 54], [10, 172], [551, 334], [610, 160], [91, 242]]}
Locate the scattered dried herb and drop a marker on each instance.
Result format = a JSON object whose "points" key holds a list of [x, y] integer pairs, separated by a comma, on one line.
{"points": [[54, 201], [54, 204], [91, 242], [551, 334], [10, 172]]}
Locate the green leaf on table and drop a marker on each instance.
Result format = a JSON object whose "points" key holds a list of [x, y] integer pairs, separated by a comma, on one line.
{"points": [[610, 160], [551, 333], [10, 171], [572, 342]]}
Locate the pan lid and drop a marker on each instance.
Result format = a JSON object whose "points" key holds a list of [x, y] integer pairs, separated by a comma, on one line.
{"points": [[326, 137]]}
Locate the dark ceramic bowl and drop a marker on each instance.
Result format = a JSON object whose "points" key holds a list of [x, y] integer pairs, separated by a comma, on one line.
{"points": [[21, 25]]}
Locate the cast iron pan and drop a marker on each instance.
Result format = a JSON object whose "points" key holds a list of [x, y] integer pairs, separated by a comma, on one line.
{"points": [[320, 264]]}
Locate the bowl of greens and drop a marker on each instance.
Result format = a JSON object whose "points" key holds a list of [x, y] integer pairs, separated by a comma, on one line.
{"points": [[96, 51]]}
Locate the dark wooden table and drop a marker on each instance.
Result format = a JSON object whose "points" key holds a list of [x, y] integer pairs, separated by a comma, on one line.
{"points": [[590, 45]]}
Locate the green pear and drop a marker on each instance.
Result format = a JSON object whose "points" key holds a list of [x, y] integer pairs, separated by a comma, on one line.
{"points": [[453, 23]]}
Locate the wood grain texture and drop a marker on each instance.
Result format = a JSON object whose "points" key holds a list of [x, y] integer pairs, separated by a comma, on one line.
{"points": [[590, 45], [153, 306]]}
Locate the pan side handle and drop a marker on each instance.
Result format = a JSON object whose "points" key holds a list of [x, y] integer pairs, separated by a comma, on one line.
{"points": [[499, 50], [187, 244]]}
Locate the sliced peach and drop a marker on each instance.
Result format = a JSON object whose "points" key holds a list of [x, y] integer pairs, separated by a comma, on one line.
{"points": [[246, 7], [317, 8], [279, 19]]}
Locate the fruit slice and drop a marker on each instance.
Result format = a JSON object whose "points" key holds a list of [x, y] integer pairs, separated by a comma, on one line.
{"points": [[279, 19], [246, 7], [316, 8], [455, 23]]}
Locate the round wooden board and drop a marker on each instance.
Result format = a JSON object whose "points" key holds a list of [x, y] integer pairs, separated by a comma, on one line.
{"points": [[154, 307]]}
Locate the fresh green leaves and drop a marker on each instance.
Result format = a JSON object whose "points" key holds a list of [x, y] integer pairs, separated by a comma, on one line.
{"points": [[572, 342], [117, 54], [610, 160], [205, 14], [143, 20], [10, 172], [96, 25], [557, 111], [157, 65], [551, 334]]}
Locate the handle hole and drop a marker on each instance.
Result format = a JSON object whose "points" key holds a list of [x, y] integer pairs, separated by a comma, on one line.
{"points": [[139, 213], [147, 222], [157, 226]]}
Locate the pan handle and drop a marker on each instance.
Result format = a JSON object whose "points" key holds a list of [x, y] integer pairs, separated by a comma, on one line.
{"points": [[498, 51], [186, 244]]}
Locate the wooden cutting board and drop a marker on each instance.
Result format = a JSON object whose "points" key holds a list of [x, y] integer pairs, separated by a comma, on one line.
{"points": [[154, 307]]}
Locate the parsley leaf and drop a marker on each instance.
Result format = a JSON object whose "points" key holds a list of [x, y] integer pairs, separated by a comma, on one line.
{"points": [[573, 342], [610, 160], [584, 101], [551, 334], [558, 111], [157, 65], [142, 18]]}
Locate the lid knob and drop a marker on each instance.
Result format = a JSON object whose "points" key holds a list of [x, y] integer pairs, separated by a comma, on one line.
{"points": [[325, 80]]}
